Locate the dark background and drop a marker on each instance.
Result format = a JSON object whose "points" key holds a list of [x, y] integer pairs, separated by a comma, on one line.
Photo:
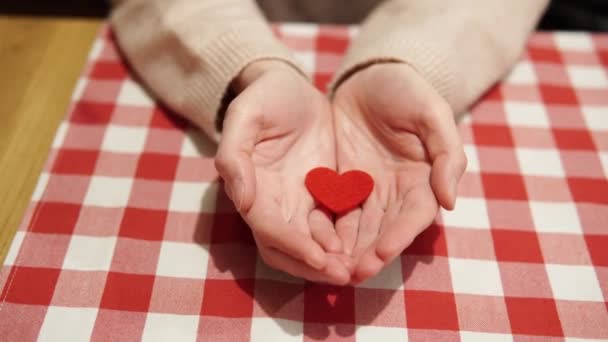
{"points": [[587, 15]]}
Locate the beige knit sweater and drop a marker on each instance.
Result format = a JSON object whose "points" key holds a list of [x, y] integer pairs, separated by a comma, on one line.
{"points": [[188, 51]]}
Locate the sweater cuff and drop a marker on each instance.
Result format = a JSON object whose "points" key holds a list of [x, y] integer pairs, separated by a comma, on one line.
{"points": [[428, 58], [207, 93]]}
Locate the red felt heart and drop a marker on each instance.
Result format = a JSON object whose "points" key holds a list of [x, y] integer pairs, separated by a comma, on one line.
{"points": [[339, 193]]}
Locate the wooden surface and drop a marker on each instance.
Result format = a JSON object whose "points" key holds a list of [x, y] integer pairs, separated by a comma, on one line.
{"points": [[40, 60]]}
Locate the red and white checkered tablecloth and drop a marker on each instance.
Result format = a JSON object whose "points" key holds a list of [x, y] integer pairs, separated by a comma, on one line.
{"points": [[130, 236]]}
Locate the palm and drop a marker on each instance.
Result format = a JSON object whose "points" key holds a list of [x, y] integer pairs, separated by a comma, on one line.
{"points": [[278, 140], [379, 128]]}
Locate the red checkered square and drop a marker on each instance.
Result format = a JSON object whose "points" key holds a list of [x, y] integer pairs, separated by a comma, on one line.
{"points": [[101, 91], [188, 227], [573, 139], [379, 307], [98, 221], [430, 310], [150, 194], [516, 246], [596, 245], [492, 135], [583, 319], [79, 289], [58, 218], [544, 54], [164, 141], [177, 295], [114, 325], [196, 169], [232, 261], [126, 115], [21, 322], [554, 245], [91, 113], [460, 242], [504, 186], [135, 256], [230, 227], [593, 218], [85, 137], [430, 242], [549, 189], [329, 304], [279, 300], [558, 95], [127, 292], [228, 298], [104, 70], [507, 214], [114, 164], [66, 188], [30, 285], [144, 224], [533, 316], [157, 166], [75, 161], [43, 250], [426, 273], [589, 190], [164, 118], [482, 313], [524, 280]]}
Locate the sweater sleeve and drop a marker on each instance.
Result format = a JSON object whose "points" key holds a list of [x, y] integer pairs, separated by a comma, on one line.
{"points": [[188, 51], [461, 47]]}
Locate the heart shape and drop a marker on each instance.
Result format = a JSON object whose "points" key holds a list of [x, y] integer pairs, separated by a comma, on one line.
{"points": [[339, 193]]}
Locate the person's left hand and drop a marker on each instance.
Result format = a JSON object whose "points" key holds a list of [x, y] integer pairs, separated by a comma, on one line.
{"points": [[392, 124]]}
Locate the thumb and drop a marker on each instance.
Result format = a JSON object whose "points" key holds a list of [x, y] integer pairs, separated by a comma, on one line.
{"points": [[233, 159]]}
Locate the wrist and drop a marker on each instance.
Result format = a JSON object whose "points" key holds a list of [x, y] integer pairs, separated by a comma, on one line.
{"points": [[256, 69]]}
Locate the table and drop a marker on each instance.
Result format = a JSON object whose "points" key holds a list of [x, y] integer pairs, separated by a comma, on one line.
{"points": [[130, 236], [38, 79]]}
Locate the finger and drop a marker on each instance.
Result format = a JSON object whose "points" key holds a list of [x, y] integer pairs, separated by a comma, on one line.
{"points": [[369, 227], [347, 226], [440, 135], [323, 231], [271, 230], [233, 158], [417, 212], [335, 272]]}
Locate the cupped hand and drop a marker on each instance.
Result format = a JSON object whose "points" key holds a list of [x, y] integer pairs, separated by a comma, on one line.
{"points": [[277, 129], [392, 123]]}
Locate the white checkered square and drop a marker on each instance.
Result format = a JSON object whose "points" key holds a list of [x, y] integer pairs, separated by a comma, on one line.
{"points": [[183, 260], [554, 217], [62, 131], [596, 117], [476, 336], [573, 41], [587, 76], [124, 139], [86, 253], [472, 159], [79, 88], [193, 197], [307, 60], [108, 191], [169, 327], [604, 161], [67, 324], [540, 162], [133, 94], [526, 114], [480, 277], [469, 213], [522, 73], [13, 251], [40, 186], [274, 329], [376, 333], [574, 282]]}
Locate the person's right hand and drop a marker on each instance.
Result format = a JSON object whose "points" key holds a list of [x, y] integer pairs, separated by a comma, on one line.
{"points": [[276, 130]]}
